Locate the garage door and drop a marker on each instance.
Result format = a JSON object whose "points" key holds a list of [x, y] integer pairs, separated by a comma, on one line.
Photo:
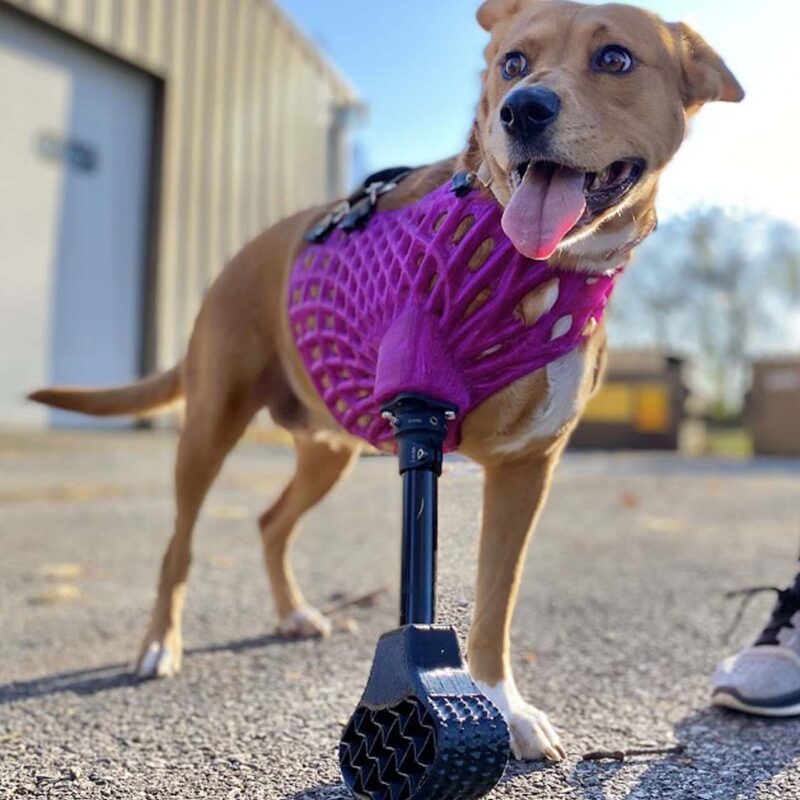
{"points": [[75, 155]]}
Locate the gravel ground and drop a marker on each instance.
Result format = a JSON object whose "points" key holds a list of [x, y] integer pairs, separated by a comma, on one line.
{"points": [[621, 620]]}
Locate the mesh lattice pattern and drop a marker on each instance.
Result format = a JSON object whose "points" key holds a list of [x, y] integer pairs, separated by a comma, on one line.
{"points": [[427, 299], [448, 750], [387, 753]]}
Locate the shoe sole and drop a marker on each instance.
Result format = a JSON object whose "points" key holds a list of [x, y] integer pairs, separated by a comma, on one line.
{"points": [[726, 700]]}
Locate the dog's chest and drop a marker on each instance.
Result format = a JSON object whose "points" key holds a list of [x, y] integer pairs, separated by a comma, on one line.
{"points": [[434, 299], [534, 410]]}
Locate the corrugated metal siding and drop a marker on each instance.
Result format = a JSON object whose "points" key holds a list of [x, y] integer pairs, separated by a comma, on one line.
{"points": [[248, 109]]}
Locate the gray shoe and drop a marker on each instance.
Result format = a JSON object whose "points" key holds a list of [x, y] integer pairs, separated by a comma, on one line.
{"points": [[765, 679]]}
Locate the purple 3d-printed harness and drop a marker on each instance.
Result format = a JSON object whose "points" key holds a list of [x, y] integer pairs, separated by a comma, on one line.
{"points": [[426, 299]]}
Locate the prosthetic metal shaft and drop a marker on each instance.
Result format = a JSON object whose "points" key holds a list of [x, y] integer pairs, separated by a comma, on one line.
{"points": [[420, 427]]}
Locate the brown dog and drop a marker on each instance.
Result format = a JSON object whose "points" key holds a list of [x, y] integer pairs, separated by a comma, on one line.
{"points": [[593, 97]]}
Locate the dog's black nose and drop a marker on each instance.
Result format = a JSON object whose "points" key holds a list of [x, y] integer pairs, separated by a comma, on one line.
{"points": [[528, 112]]}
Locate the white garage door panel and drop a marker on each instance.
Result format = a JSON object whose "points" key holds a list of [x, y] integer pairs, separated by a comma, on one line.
{"points": [[36, 97], [74, 180]]}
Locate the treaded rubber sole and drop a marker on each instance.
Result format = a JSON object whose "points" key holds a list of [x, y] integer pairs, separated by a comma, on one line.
{"points": [[724, 699], [454, 749]]}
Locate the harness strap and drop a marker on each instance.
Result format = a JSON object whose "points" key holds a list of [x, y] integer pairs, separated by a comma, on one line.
{"points": [[352, 214]]}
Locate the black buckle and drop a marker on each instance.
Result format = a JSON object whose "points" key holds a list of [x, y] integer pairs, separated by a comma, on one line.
{"points": [[463, 183], [327, 224], [352, 214], [358, 215]]}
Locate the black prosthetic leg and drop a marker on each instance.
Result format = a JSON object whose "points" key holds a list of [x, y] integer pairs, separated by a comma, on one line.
{"points": [[423, 730]]}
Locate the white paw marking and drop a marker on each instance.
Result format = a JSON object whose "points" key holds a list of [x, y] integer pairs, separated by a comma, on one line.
{"points": [[305, 623], [532, 735], [158, 661]]}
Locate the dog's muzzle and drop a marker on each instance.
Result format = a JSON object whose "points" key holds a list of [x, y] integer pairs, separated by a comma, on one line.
{"points": [[529, 111]]}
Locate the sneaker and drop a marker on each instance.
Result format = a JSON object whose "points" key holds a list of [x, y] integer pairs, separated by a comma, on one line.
{"points": [[765, 679]]}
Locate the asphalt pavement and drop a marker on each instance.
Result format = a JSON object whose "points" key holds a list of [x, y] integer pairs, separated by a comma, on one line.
{"points": [[622, 617]]}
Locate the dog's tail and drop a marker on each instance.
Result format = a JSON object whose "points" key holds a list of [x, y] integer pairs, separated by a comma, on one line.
{"points": [[146, 395]]}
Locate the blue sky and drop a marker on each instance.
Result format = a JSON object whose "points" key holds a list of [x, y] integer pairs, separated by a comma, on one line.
{"points": [[416, 64]]}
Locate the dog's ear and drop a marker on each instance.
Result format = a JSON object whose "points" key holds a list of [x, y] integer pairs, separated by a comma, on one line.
{"points": [[493, 11], [705, 75]]}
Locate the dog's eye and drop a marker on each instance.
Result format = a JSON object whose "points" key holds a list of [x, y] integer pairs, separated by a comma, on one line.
{"points": [[514, 66], [613, 58]]}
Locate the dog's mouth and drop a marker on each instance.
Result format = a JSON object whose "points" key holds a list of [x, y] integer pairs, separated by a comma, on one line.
{"points": [[550, 200]]}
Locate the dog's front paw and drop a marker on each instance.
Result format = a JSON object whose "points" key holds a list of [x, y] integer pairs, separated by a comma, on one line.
{"points": [[159, 659], [532, 735], [305, 623]]}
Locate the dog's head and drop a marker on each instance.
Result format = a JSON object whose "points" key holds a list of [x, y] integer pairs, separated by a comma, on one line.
{"points": [[582, 107]]}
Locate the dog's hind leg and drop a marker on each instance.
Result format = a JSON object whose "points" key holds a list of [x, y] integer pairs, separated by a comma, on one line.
{"points": [[514, 494], [320, 464], [214, 423]]}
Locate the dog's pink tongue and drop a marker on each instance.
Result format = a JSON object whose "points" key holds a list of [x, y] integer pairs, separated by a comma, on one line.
{"points": [[543, 209]]}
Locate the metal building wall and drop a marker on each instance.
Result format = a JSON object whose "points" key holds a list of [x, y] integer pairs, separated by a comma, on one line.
{"points": [[249, 107]]}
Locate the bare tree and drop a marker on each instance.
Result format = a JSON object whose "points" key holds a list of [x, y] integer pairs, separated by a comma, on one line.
{"points": [[715, 288]]}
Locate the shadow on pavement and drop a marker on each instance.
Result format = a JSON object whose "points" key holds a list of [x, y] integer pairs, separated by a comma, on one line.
{"points": [[727, 755], [515, 771], [328, 791], [82, 682], [113, 676], [239, 645]]}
